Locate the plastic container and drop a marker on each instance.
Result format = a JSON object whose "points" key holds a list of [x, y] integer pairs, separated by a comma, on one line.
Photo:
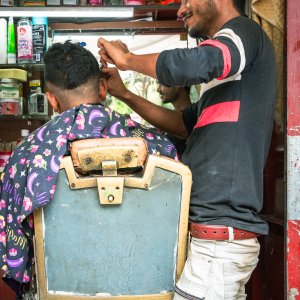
{"points": [[53, 3], [133, 2], [24, 135], [37, 104], [3, 41], [24, 37], [5, 152], [9, 88], [95, 2], [169, 2], [10, 107], [112, 2], [70, 2], [39, 38], [11, 42], [6, 2]]}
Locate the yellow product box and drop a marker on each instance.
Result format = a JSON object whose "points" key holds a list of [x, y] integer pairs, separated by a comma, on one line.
{"points": [[17, 74]]}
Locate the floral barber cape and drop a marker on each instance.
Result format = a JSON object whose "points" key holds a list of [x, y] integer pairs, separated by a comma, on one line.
{"points": [[29, 180]]}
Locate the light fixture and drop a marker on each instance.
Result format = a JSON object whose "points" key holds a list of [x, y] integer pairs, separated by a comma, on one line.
{"points": [[69, 12]]}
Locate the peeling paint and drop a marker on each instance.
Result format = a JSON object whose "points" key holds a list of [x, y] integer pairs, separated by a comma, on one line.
{"points": [[293, 150], [293, 292], [293, 259], [293, 178], [296, 46], [294, 228], [295, 128]]}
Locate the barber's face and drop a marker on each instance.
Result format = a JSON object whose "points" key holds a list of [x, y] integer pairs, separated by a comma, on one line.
{"points": [[198, 16], [167, 94]]}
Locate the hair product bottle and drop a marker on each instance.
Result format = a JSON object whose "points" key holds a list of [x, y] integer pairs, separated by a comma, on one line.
{"points": [[39, 38], [24, 33], [24, 135], [11, 42], [3, 41], [133, 2]]}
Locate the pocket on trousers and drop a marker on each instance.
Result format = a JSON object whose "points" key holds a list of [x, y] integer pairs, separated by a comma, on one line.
{"points": [[195, 277]]}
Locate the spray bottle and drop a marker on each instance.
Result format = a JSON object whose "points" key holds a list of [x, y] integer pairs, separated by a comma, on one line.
{"points": [[11, 42], [39, 38]]}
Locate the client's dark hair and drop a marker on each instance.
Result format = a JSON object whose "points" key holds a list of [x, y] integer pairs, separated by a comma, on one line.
{"points": [[69, 65]]}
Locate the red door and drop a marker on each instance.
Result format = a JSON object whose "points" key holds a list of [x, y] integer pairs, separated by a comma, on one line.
{"points": [[293, 151]]}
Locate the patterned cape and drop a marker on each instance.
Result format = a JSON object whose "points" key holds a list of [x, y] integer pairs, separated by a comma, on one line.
{"points": [[29, 179]]}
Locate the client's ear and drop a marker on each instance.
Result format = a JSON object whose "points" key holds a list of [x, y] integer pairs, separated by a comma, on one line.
{"points": [[102, 89], [53, 101]]}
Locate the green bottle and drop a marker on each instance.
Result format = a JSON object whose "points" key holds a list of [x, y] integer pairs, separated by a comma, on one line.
{"points": [[11, 42]]}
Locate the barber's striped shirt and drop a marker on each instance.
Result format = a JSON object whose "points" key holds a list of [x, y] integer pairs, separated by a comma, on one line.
{"points": [[231, 124]]}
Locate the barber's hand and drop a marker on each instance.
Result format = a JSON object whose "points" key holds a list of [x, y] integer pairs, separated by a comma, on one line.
{"points": [[103, 63], [113, 52], [115, 85]]}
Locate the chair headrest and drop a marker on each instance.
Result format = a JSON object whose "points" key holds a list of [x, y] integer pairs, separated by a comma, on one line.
{"points": [[90, 155]]}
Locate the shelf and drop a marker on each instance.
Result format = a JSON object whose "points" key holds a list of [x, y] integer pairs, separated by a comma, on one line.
{"points": [[23, 117], [139, 27], [71, 14], [24, 66]]}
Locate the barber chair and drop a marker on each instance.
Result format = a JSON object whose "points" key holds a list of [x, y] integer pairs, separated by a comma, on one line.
{"points": [[117, 226]]}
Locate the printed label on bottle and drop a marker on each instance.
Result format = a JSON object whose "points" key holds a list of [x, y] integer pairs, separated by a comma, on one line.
{"points": [[133, 2], [25, 42], [6, 2], [39, 42], [95, 2]]}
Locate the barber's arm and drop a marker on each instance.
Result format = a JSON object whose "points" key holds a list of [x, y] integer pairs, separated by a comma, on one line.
{"points": [[117, 53], [167, 120]]}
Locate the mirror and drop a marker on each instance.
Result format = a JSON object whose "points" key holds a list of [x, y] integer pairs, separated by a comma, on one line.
{"points": [[142, 85]]}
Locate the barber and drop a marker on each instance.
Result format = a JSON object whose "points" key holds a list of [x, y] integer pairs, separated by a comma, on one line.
{"points": [[229, 132]]}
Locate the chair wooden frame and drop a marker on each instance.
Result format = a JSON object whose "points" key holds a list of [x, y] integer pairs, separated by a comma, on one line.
{"points": [[143, 182]]}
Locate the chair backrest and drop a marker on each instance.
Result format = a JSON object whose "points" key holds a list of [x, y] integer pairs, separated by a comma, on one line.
{"points": [[131, 245]]}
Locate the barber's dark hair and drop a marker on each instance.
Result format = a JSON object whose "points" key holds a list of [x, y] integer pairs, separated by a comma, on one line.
{"points": [[69, 65], [240, 6]]}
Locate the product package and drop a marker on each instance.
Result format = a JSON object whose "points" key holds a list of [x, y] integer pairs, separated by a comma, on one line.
{"points": [[53, 3], [70, 2], [11, 42], [24, 41], [39, 38], [6, 2], [10, 107], [3, 41], [34, 3]]}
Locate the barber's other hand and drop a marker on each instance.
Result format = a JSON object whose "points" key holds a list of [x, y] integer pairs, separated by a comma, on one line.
{"points": [[113, 52], [115, 85]]}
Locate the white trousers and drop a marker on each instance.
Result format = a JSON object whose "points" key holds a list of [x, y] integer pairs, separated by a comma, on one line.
{"points": [[217, 270]]}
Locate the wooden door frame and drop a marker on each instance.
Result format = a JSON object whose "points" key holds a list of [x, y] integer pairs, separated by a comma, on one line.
{"points": [[293, 152]]}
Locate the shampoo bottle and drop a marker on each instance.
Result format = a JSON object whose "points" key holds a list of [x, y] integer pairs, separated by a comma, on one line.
{"points": [[24, 37]]}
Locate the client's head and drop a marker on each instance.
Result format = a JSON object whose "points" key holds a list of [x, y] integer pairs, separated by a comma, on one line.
{"points": [[72, 76]]}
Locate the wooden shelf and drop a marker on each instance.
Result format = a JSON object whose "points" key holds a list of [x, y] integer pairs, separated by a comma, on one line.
{"points": [[88, 14], [27, 66], [140, 27], [23, 117]]}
